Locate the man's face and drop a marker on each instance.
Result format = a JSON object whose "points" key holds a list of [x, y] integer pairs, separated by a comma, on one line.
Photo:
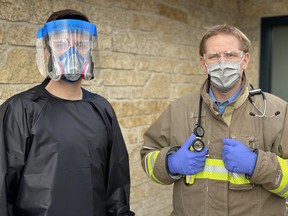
{"points": [[60, 43], [224, 47]]}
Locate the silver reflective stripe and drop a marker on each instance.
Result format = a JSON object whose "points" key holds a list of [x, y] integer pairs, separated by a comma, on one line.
{"points": [[215, 169]]}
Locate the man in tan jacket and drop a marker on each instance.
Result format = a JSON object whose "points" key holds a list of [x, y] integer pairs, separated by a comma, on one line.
{"points": [[225, 148]]}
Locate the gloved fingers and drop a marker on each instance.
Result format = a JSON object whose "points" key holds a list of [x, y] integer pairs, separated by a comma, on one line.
{"points": [[194, 155], [226, 151], [203, 152], [188, 142], [230, 165], [196, 167]]}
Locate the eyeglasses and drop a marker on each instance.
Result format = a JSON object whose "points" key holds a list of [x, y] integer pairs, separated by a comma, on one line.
{"points": [[229, 56], [62, 45]]}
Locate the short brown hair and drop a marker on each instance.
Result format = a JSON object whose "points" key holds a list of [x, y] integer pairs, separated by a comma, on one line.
{"points": [[68, 14], [225, 29]]}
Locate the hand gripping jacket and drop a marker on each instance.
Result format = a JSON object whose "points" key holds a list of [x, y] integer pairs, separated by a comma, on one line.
{"points": [[60, 157], [215, 191]]}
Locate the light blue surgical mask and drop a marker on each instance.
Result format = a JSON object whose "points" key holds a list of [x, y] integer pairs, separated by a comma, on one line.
{"points": [[224, 75]]}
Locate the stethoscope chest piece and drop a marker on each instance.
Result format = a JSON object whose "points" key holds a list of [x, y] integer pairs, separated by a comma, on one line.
{"points": [[198, 144]]}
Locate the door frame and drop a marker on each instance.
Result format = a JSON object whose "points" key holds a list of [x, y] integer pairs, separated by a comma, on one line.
{"points": [[267, 24]]}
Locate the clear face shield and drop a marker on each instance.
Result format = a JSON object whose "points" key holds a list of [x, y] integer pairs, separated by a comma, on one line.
{"points": [[65, 49]]}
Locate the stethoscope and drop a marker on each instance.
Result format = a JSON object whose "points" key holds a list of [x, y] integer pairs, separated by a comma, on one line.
{"points": [[198, 144]]}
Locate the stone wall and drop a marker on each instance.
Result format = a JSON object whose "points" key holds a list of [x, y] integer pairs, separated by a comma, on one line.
{"points": [[148, 56]]}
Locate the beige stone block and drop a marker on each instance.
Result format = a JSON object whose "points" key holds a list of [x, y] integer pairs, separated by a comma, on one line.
{"points": [[175, 3], [120, 92], [185, 68], [19, 66], [135, 42], [157, 87], [40, 10], [2, 33], [116, 60], [139, 108], [104, 42], [9, 90], [112, 16], [203, 3], [255, 7], [171, 12], [20, 35], [134, 157], [222, 5], [140, 176], [14, 10], [124, 78], [180, 79], [103, 3], [132, 137], [152, 199], [137, 92], [135, 121], [184, 34], [176, 51], [102, 28], [178, 90], [279, 7], [151, 24], [155, 64], [137, 5]]}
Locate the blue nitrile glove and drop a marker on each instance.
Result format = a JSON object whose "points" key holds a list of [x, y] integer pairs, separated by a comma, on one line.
{"points": [[185, 161], [237, 157]]}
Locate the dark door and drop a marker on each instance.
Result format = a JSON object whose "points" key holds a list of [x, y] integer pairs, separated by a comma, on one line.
{"points": [[274, 56]]}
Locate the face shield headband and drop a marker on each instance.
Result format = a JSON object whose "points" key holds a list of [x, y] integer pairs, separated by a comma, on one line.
{"points": [[64, 49]]}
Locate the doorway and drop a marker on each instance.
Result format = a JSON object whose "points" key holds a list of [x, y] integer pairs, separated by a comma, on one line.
{"points": [[274, 56]]}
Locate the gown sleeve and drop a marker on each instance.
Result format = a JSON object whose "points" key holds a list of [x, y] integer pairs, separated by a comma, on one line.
{"points": [[3, 165], [118, 174], [14, 142]]}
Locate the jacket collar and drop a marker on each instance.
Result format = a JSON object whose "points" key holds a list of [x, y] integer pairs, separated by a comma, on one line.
{"points": [[232, 106]]}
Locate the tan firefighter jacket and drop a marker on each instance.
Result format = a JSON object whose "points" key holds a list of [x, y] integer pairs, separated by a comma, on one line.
{"points": [[215, 191]]}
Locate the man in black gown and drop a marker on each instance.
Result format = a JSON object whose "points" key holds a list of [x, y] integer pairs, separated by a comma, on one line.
{"points": [[61, 148]]}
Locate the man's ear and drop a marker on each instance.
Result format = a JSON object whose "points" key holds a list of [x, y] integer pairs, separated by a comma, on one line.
{"points": [[246, 61], [203, 65]]}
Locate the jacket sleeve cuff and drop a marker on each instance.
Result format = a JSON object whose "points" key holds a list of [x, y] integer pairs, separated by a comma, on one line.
{"points": [[161, 170], [172, 151], [266, 170], [249, 176]]}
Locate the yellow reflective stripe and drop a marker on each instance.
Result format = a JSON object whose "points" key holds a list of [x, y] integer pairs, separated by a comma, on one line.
{"points": [[282, 190], [214, 169], [189, 179], [150, 162]]}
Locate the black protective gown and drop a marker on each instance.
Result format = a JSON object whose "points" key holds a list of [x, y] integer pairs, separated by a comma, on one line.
{"points": [[61, 158]]}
